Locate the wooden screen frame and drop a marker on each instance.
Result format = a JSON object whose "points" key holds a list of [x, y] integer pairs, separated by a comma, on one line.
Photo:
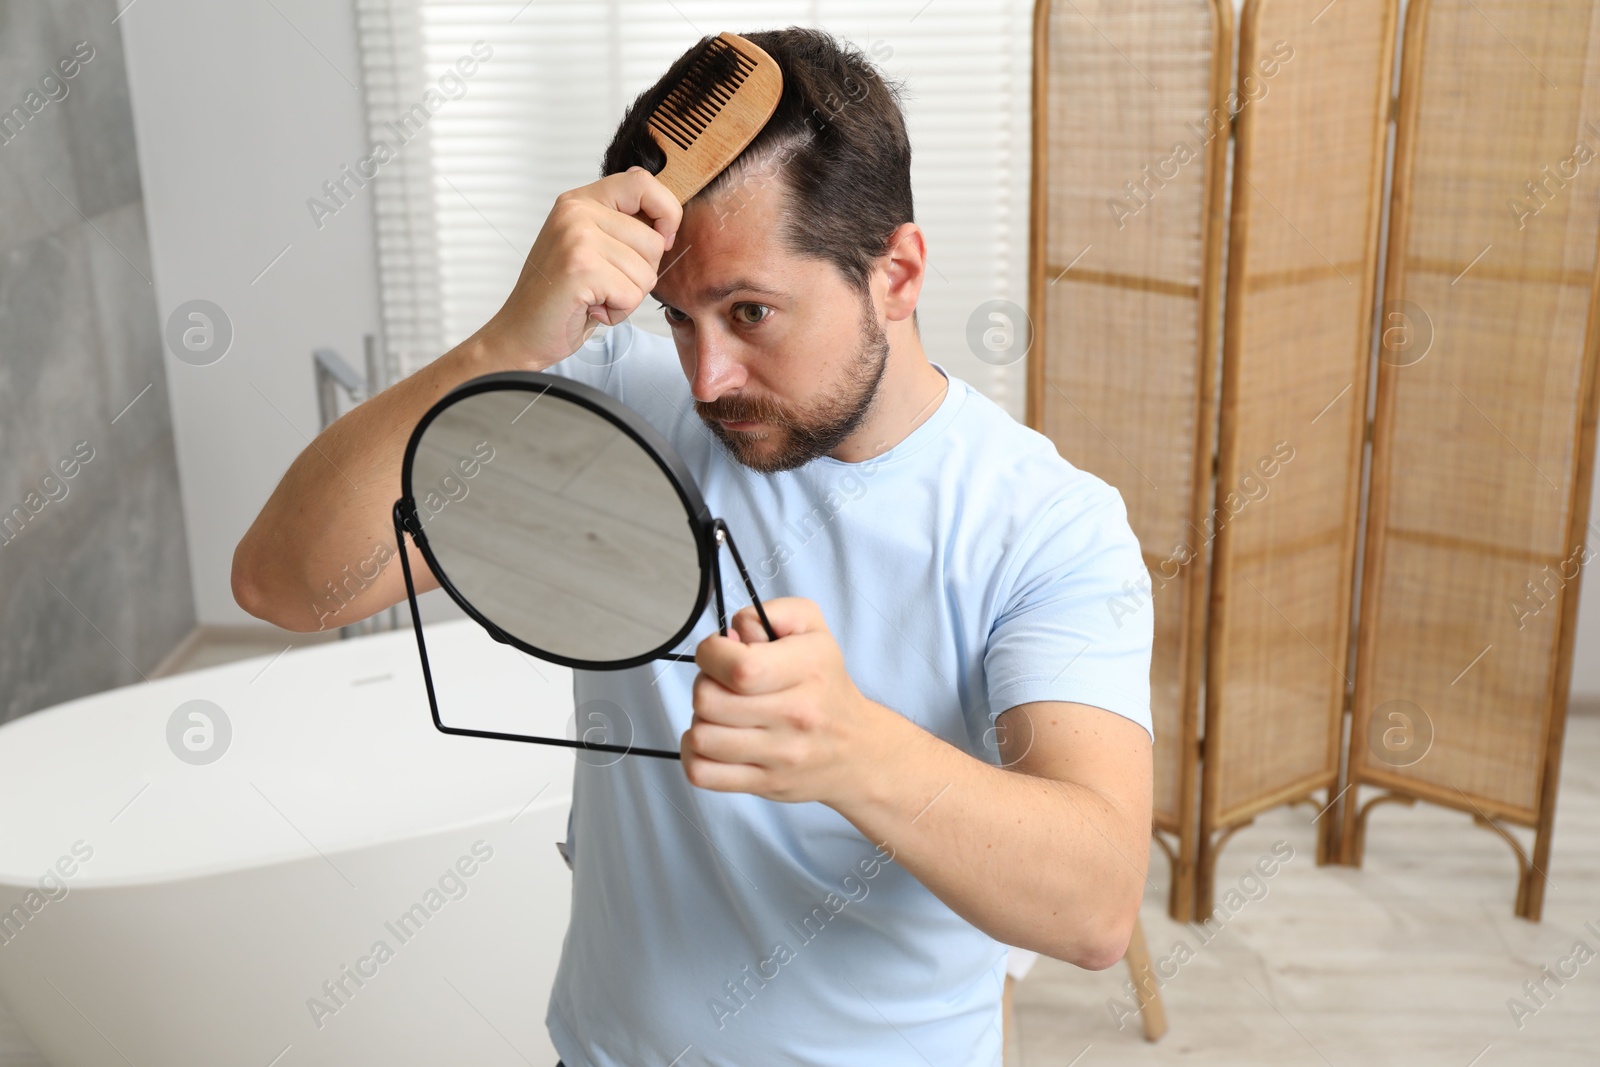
{"points": [[1485, 812], [1183, 856], [1217, 826]]}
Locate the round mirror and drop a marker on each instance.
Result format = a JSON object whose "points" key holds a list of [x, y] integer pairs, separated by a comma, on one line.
{"points": [[558, 519]]}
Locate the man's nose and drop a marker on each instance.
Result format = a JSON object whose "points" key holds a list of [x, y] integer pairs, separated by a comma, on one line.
{"points": [[717, 369]]}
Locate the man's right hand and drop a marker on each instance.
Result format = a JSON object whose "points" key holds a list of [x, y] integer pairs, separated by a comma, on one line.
{"points": [[593, 263]]}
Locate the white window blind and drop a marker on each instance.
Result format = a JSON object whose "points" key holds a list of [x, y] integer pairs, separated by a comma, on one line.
{"points": [[459, 206]]}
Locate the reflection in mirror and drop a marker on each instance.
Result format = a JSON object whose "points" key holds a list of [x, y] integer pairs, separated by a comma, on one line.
{"points": [[556, 525]]}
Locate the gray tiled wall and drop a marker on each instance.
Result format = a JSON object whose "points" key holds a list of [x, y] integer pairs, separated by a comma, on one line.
{"points": [[94, 575]]}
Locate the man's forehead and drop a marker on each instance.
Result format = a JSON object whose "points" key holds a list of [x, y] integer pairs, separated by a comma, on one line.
{"points": [[732, 241], [715, 292], [710, 271]]}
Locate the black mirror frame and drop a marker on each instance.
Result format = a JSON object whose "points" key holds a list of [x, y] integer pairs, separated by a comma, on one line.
{"points": [[709, 534]]}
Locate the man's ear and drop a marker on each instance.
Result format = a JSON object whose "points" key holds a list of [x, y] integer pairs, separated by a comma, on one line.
{"points": [[905, 264]]}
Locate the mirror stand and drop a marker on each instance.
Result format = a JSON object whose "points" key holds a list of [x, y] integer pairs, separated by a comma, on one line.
{"points": [[406, 520]]}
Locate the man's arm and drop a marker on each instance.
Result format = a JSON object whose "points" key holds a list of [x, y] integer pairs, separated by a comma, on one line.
{"points": [[1047, 852], [593, 262]]}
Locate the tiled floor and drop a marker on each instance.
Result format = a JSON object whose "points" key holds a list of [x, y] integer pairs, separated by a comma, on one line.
{"points": [[1409, 960]]}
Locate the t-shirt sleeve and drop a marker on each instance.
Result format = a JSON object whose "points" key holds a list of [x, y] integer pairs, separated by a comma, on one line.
{"points": [[1076, 624]]}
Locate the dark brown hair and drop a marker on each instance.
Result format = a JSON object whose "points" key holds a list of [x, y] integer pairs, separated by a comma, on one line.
{"points": [[838, 139]]}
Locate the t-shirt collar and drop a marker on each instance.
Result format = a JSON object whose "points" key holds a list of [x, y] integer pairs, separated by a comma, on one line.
{"points": [[955, 395]]}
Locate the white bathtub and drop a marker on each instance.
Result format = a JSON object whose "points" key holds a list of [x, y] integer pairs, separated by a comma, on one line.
{"points": [[196, 911]]}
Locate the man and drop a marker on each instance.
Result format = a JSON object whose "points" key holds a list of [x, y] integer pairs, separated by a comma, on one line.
{"points": [[946, 751]]}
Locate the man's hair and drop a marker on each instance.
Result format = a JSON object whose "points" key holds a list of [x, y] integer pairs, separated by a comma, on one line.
{"points": [[837, 141]]}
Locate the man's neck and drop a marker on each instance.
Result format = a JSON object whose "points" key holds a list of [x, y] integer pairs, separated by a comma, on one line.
{"points": [[910, 392]]}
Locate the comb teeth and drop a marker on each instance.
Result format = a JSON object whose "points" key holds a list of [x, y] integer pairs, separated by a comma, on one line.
{"points": [[707, 86]]}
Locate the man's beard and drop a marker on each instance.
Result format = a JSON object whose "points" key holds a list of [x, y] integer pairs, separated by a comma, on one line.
{"points": [[804, 435]]}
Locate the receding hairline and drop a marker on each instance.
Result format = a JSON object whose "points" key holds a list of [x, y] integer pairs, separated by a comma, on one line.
{"points": [[753, 174], [768, 157], [769, 161]]}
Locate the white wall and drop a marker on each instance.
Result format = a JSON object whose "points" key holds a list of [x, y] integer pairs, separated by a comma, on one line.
{"points": [[240, 119]]}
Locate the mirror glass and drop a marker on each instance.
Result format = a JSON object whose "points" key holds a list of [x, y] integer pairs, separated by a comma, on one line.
{"points": [[556, 525]]}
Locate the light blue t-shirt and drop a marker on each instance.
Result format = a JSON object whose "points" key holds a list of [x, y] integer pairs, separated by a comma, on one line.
{"points": [[965, 571]]}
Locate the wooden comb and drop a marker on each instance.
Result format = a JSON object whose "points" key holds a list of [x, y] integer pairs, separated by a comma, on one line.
{"points": [[726, 96]]}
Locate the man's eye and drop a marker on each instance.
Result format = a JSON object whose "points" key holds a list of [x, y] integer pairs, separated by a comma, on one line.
{"points": [[750, 314], [673, 314]]}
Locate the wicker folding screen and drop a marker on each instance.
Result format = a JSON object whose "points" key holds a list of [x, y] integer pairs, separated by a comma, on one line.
{"points": [[1486, 405], [1484, 435], [1309, 154], [1130, 135]]}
